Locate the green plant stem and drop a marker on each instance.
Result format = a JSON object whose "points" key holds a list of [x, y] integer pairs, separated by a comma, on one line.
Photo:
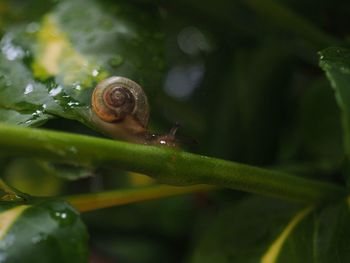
{"points": [[93, 201], [287, 19], [169, 166]]}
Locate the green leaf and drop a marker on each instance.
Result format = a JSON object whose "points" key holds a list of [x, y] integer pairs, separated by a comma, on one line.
{"points": [[32, 176], [39, 230], [334, 232], [22, 99], [145, 240], [335, 62], [12, 11], [269, 231], [52, 70], [321, 136], [320, 237], [242, 233]]}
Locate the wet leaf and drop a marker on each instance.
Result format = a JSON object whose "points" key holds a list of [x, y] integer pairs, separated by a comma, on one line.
{"points": [[70, 172], [335, 62], [32, 176], [43, 230], [321, 136], [15, 11], [51, 70], [269, 231]]}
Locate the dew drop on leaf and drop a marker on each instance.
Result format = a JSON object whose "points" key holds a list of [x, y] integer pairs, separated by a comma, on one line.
{"points": [[73, 104], [38, 238], [94, 73], [64, 217], [32, 28], [28, 89], [55, 91]]}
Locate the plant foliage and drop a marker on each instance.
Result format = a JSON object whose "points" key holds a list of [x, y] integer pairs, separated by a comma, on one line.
{"points": [[263, 86]]}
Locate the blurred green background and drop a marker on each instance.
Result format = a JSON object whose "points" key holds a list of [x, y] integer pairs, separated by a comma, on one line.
{"points": [[242, 79]]}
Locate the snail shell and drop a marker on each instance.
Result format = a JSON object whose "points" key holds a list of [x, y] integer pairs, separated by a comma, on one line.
{"points": [[117, 98], [120, 109]]}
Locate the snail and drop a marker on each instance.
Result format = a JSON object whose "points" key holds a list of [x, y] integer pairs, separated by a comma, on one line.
{"points": [[120, 108]]}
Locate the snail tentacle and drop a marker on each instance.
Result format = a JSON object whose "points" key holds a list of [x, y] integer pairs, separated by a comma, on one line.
{"points": [[120, 108]]}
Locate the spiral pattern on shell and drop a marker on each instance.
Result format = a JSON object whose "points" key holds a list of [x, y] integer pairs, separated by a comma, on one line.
{"points": [[115, 98]]}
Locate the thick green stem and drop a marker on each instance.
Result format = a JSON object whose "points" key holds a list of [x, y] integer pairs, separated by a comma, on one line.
{"points": [[169, 166], [291, 21], [93, 201]]}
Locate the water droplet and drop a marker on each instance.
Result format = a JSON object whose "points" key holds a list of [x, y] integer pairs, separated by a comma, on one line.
{"points": [[77, 87], [73, 103], [64, 218], [32, 27], [55, 91], [29, 88], [116, 61], [61, 215], [38, 238], [11, 51], [95, 73], [37, 113]]}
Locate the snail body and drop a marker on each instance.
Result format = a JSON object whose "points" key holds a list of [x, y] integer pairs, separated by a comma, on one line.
{"points": [[120, 109]]}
